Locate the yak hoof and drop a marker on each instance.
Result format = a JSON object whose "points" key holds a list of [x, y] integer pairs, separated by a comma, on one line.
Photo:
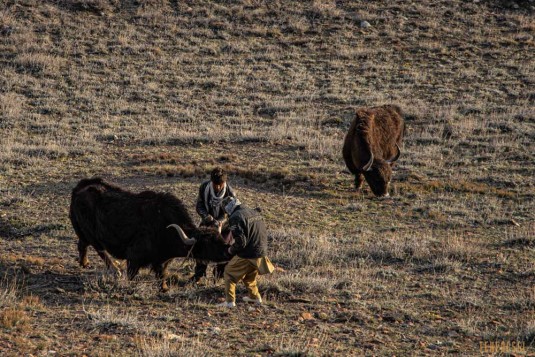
{"points": [[114, 272], [84, 262], [195, 279]]}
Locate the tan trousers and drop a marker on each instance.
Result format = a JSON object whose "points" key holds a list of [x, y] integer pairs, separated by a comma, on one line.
{"points": [[241, 269]]}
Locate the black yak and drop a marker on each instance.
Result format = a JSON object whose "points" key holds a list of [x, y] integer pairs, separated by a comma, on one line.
{"points": [[137, 227], [372, 144]]}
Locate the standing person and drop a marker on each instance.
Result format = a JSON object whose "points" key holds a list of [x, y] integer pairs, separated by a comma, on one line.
{"points": [[250, 248], [211, 194]]}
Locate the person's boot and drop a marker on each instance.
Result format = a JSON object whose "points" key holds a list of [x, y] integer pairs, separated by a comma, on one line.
{"points": [[253, 300], [227, 304]]}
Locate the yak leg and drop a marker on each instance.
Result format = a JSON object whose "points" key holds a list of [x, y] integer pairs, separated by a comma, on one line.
{"points": [[131, 269], [110, 262], [359, 181], [219, 271], [161, 274], [82, 253], [200, 271]]}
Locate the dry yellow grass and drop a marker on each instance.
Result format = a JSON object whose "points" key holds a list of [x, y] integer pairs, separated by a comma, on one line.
{"points": [[152, 94]]}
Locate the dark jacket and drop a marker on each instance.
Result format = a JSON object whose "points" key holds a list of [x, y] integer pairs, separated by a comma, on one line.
{"points": [[249, 232], [201, 207]]}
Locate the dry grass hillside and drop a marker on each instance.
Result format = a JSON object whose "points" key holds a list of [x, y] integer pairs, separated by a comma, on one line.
{"points": [[152, 94]]}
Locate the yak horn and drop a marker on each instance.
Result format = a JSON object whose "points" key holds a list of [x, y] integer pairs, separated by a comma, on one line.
{"points": [[395, 158], [368, 166], [183, 236]]}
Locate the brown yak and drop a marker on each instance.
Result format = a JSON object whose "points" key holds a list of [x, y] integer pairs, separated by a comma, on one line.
{"points": [[372, 144]]}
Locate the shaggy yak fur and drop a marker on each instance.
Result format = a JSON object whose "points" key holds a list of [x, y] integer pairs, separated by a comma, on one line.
{"points": [[133, 226], [372, 144]]}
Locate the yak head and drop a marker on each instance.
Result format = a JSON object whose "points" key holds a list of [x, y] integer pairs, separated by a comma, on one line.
{"points": [[207, 243], [378, 173]]}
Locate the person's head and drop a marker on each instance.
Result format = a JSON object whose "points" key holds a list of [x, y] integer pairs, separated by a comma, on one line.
{"points": [[218, 177], [229, 204]]}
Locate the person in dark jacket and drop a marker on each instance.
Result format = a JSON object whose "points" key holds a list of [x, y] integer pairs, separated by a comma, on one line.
{"points": [[250, 259], [211, 194]]}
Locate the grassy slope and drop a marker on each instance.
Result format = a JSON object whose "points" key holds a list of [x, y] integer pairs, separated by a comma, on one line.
{"points": [[152, 94]]}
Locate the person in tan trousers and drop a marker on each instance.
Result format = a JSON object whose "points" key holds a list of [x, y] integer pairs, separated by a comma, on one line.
{"points": [[250, 259]]}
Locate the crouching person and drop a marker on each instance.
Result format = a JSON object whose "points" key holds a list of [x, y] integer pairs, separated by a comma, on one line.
{"points": [[249, 249], [211, 194]]}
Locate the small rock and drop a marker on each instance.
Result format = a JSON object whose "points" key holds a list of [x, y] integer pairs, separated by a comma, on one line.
{"points": [[307, 316], [215, 330], [173, 337], [453, 334], [365, 24], [6, 30], [323, 316], [524, 38], [106, 338]]}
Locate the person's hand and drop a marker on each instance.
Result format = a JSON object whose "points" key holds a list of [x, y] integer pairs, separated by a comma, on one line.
{"points": [[208, 219], [218, 225]]}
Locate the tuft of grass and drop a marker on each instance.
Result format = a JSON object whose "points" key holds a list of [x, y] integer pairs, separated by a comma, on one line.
{"points": [[31, 301], [306, 283], [463, 186], [295, 249], [10, 108], [302, 344], [8, 292], [170, 345], [520, 237], [13, 317], [441, 253], [108, 316], [38, 63]]}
